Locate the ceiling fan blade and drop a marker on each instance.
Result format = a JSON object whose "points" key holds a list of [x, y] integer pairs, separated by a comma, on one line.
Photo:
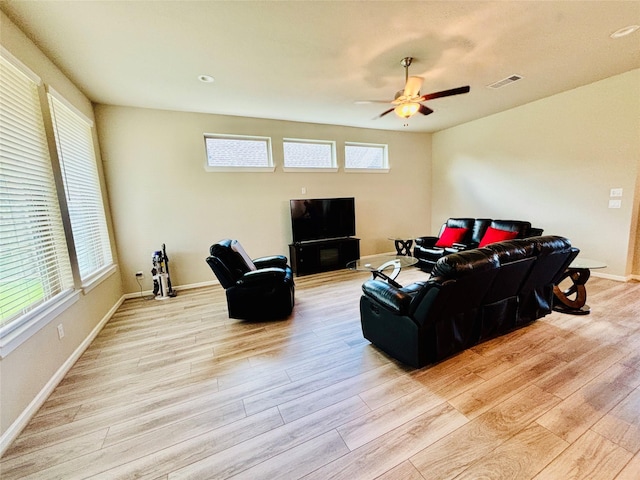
{"points": [[413, 86], [445, 93], [385, 112], [424, 110], [366, 102]]}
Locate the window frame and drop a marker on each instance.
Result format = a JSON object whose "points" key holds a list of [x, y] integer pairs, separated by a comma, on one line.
{"points": [[385, 149], [331, 143], [238, 168]]}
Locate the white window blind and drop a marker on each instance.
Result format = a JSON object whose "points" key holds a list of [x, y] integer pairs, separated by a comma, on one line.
{"points": [[365, 156], [34, 261], [77, 157]]}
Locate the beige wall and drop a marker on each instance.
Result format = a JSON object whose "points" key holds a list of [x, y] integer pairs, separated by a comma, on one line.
{"points": [[27, 371], [552, 162], [160, 192]]}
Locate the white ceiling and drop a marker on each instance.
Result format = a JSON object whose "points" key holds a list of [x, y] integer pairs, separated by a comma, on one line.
{"points": [[310, 61]]}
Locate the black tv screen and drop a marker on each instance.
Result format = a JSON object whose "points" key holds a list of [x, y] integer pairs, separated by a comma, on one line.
{"points": [[322, 218]]}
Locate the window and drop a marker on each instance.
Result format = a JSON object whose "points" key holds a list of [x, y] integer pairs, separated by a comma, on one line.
{"points": [[238, 152], [34, 260], [365, 156], [53, 231], [74, 141], [309, 154]]}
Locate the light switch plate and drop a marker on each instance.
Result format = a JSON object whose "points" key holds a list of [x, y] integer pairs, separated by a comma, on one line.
{"points": [[615, 203], [616, 192]]}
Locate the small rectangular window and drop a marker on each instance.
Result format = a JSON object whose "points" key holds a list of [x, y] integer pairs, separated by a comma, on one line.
{"points": [[365, 156], [309, 154], [238, 153]]}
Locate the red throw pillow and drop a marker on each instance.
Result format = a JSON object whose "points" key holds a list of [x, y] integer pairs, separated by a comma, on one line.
{"points": [[450, 236], [493, 235]]}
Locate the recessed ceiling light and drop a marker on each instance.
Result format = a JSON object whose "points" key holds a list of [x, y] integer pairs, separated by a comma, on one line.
{"points": [[206, 78], [623, 32]]}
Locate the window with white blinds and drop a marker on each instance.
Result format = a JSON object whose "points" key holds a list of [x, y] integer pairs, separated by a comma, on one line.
{"points": [[74, 142], [34, 260]]}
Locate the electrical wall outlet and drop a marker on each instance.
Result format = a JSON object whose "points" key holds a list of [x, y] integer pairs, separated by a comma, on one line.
{"points": [[60, 332], [615, 203], [615, 192], [139, 274]]}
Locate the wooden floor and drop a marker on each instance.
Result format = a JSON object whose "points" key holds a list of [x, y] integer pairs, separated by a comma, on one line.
{"points": [[176, 389]]}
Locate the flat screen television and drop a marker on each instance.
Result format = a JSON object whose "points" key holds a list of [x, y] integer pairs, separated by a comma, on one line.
{"points": [[322, 218]]}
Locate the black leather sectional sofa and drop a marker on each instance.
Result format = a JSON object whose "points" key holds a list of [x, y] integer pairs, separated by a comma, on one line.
{"points": [[471, 296], [458, 234]]}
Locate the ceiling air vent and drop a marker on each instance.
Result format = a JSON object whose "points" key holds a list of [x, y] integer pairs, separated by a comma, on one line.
{"points": [[505, 81]]}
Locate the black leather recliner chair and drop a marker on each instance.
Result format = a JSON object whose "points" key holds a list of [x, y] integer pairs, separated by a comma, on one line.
{"points": [[257, 289]]}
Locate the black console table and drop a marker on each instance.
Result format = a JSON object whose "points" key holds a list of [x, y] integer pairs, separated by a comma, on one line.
{"points": [[323, 255]]}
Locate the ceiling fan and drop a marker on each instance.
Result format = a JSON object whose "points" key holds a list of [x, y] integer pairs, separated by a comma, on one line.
{"points": [[407, 102]]}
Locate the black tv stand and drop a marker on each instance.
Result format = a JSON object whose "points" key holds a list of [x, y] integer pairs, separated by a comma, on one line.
{"points": [[317, 256]]}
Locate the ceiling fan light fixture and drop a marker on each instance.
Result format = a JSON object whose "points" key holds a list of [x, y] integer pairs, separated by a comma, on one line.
{"points": [[406, 110]]}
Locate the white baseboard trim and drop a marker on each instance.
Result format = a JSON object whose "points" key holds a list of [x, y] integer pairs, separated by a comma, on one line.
{"points": [[618, 278], [190, 286], [23, 419]]}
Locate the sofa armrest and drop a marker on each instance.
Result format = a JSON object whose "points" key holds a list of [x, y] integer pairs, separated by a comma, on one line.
{"points": [[262, 276], [387, 295], [426, 242], [465, 246], [279, 261]]}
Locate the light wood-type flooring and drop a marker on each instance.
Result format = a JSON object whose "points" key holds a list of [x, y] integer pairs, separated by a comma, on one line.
{"points": [[175, 389]]}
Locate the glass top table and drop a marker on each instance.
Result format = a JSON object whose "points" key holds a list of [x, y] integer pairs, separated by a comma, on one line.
{"points": [[385, 266], [588, 263]]}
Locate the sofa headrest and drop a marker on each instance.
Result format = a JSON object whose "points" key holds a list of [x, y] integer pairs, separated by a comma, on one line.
{"points": [[218, 245], [227, 263], [550, 244], [513, 226], [512, 250], [464, 263], [460, 223]]}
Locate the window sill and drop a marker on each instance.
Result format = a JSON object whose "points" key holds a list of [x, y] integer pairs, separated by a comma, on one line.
{"points": [[97, 278], [239, 169], [308, 170], [366, 170], [12, 338]]}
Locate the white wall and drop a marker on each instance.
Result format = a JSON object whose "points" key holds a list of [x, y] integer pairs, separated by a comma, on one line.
{"points": [[29, 372], [552, 162], [160, 192]]}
